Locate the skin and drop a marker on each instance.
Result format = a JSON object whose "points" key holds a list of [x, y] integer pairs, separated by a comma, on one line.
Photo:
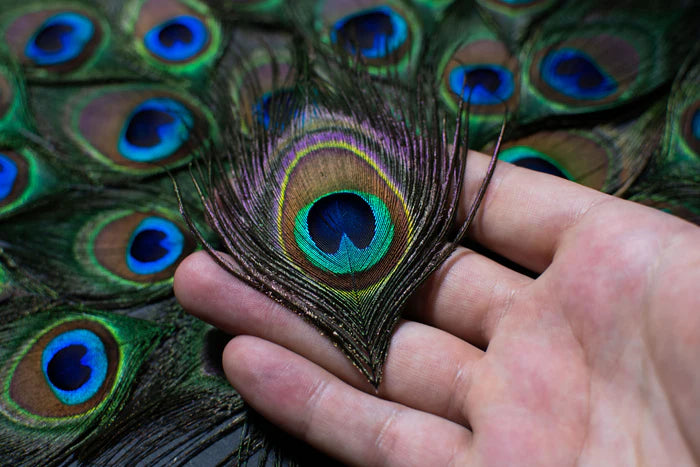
{"points": [[592, 363]]}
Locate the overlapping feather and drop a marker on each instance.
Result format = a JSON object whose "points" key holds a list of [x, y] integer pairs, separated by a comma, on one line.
{"points": [[362, 197], [99, 99]]}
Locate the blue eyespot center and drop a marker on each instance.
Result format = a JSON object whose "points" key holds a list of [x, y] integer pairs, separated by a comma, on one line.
{"points": [[75, 365], [178, 39], [66, 371], [345, 232], [8, 176], [338, 215], [175, 33], [155, 130], [575, 74], [278, 104], [147, 246], [522, 156], [483, 84], [60, 39], [378, 32], [155, 245], [50, 38]]}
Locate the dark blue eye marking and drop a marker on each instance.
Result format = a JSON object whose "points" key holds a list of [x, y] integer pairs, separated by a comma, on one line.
{"points": [[523, 156], [155, 130], [483, 84], [177, 39], [341, 214], [575, 74], [378, 32], [8, 176], [75, 365], [696, 124], [344, 232], [60, 39], [279, 102], [154, 246]]}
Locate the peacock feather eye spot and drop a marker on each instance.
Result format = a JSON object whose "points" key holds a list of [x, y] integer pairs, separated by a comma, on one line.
{"points": [[577, 75], [143, 127], [143, 247], [280, 103], [522, 156], [8, 176], [483, 84], [175, 33], [696, 124], [60, 39], [146, 246], [378, 32], [70, 367], [178, 39], [338, 215], [66, 371], [156, 244], [75, 365], [344, 232], [155, 130]]}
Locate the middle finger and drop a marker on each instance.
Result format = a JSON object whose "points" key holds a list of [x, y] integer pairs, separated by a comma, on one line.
{"points": [[420, 357]]}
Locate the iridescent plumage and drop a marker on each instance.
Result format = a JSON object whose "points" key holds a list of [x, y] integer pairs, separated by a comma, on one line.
{"points": [[328, 140]]}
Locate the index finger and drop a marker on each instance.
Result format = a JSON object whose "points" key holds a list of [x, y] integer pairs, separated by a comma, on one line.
{"points": [[524, 213]]}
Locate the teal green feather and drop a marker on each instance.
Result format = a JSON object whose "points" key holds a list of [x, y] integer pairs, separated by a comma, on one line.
{"points": [[65, 40], [347, 247], [175, 37], [607, 157], [121, 247], [589, 58], [477, 67], [14, 117], [122, 131], [433, 8], [228, 80], [256, 79], [26, 179], [27, 173], [682, 140], [41, 417], [672, 180], [385, 38], [16, 284], [513, 20], [671, 191], [257, 11]]}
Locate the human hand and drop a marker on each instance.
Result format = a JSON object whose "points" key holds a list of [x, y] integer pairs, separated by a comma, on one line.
{"points": [[594, 362]]}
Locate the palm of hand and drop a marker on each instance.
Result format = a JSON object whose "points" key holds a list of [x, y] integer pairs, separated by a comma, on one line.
{"points": [[591, 363], [573, 370]]}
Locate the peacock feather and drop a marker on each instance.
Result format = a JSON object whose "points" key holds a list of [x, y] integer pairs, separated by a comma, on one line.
{"points": [[66, 372], [175, 36], [122, 130], [326, 140], [355, 231], [383, 37], [122, 247]]}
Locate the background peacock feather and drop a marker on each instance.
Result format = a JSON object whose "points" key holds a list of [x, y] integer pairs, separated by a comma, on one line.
{"points": [[321, 144]]}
